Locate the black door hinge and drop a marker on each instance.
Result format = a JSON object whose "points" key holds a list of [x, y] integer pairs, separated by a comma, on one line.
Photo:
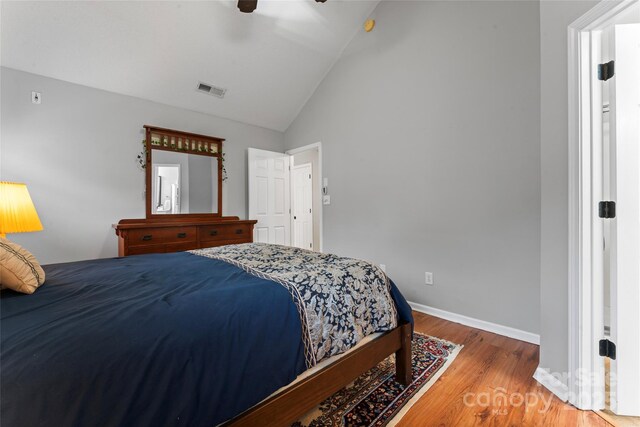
{"points": [[606, 71], [607, 209], [607, 349]]}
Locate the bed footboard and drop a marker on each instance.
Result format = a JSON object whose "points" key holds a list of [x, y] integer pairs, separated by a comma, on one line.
{"points": [[290, 404]]}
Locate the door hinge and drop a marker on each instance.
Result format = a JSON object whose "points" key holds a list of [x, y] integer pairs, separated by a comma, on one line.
{"points": [[309, 176], [607, 209], [309, 210], [311, 245], [606, 70], [607, 349]]}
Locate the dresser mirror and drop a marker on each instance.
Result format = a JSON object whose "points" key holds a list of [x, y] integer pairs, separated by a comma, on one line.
{"points": [[184, 183], [184, 174]]}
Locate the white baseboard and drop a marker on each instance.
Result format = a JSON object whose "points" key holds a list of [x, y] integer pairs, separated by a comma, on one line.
{"points": [[477, 323], [551, 383]]}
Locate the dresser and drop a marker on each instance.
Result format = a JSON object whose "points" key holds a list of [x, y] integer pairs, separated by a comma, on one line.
{"points": [[141, 236], [183, 195]]}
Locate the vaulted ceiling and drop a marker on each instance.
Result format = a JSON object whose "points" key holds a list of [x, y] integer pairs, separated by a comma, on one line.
{"points": [[270, 61]]}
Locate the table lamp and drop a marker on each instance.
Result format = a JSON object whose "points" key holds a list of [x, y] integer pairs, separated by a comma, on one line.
{"points": [[17, 213]]}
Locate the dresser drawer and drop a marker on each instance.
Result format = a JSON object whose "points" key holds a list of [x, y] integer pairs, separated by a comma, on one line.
{"points": [[152, 236], [160, 249], [137, 237], [213, 233]]}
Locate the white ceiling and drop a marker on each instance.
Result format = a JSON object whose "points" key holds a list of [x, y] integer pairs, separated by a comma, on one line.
{"points": [[270, 61]]}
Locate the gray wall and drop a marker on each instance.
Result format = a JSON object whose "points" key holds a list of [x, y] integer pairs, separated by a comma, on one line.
{"points": [[555, 17], [77, 153], [430, 130]]}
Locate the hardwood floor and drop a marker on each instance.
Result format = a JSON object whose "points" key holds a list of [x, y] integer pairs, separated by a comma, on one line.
{"points": [[486, 384], [606, 413]]}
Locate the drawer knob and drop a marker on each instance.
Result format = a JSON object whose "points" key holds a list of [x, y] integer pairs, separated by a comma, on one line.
{"points": [[182, 235], [213, 233], [147, 237], [239, 231]]}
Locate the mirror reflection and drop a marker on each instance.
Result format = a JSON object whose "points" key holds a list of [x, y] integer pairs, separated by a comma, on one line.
{"points": [[183, 183]]}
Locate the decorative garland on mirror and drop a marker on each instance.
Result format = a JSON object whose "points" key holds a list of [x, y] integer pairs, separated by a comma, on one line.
{"points": [[142, 158]]}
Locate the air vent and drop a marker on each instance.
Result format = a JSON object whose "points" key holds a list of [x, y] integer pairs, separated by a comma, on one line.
{"points": [[211, 89]]}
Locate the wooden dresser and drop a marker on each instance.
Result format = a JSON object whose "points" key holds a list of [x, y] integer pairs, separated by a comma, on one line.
{"points": [[144, 236], [188, 172]]}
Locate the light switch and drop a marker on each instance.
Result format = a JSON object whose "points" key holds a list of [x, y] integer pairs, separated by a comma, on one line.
{"points": [[36, 97], [326, 200]]}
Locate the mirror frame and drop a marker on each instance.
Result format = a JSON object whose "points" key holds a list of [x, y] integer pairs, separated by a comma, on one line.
{"points": [[177, 141]]}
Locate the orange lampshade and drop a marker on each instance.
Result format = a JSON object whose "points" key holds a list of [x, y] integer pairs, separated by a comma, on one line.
{"points": [[17, 213]]}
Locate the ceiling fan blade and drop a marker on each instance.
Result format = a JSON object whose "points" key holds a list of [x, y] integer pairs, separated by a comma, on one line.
{"points": [[247, 6]]}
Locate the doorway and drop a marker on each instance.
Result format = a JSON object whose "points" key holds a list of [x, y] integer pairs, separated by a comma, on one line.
{"points": [[310, 155], [604, 211], [286, 196], [166, 191], [620, 98]]}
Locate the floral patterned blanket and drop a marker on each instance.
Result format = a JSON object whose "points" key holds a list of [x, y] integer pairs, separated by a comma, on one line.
{"points": [[340, 300]]}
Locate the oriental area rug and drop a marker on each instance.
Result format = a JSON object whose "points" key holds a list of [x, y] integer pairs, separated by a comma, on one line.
{"points": [[376, 399]]}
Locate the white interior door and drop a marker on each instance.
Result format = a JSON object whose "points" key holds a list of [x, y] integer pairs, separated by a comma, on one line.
{"points": [[301, 206], [269, 196], [625, 227]]}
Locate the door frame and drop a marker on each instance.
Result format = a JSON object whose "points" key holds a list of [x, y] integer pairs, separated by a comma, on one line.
{"points": [[292, 198], [586, 285], [315, 146]]}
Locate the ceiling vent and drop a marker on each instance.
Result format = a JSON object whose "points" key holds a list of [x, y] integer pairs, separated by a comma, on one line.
{"points": [[211, 89]]}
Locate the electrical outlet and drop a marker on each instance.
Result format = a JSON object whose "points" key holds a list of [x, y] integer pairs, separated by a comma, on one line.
{"points": [[428, 278], [383, 267]]}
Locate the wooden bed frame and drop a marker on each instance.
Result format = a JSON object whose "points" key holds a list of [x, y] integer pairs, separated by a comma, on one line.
{"points": [[290, 404]]}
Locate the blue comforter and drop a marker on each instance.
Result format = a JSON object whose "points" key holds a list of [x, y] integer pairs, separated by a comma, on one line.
{"points": [[152, 340]]}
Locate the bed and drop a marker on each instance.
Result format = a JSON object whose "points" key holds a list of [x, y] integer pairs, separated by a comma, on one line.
{"points": [[197, 338]]}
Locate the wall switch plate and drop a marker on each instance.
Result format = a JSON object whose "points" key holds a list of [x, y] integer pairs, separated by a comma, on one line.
{"points": [[36, 98], [428, 278], [383, 267], [326, 200]]}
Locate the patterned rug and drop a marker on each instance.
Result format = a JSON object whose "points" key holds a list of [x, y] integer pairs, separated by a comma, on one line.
{"points": [[375, 398]]}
